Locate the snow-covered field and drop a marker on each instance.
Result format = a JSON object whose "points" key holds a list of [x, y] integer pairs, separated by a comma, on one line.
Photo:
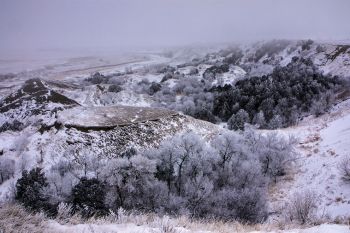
{"points": [[133, 228]]}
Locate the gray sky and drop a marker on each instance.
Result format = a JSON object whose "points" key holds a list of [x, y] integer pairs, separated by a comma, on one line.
{"points": [[48, 24]]}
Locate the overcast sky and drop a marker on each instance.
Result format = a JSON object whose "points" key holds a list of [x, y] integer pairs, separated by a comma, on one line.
{"points": [[37, 24]]}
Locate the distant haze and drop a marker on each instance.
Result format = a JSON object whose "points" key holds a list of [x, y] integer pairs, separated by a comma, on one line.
{"points": [[122, 24]]}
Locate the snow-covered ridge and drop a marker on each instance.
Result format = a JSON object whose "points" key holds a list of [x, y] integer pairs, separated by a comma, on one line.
{"points": [[35, 91], [110, 117], [33, 102]]}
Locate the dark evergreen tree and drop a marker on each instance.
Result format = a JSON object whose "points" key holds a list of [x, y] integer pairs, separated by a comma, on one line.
{"points": [[115, 88], [238, 120], [30, 190], [88, 197]]}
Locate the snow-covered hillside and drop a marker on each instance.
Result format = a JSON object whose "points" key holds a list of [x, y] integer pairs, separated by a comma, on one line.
{"points": [[135, 104], [40, 126], [324, 145]]}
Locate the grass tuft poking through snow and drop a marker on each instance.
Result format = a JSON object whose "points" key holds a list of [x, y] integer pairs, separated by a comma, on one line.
{"points": [[14, 218]]}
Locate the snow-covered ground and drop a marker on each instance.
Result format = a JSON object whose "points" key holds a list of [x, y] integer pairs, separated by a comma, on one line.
{"points": [[14, 217], [133, 228], [324, 144], [235, 73]]}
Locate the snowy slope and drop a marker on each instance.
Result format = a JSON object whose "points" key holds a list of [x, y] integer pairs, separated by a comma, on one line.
{"points": [[55, 126], [324, 143]]}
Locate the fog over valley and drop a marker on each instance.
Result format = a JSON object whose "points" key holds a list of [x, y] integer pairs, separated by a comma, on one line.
{"points": [[123, 25]]}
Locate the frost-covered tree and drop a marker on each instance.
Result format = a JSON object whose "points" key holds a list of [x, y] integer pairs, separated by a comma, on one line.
{"points": [[61, 181], [83, 163], [276, 122], [319, 107], [237, 121], [320, 49], [259, 119], [275, 154], [344, 168], [154, 87], [7, 169], [166, 159], [227, 145], [133, 184], [198, 192], [190, 159], [30, 190]]}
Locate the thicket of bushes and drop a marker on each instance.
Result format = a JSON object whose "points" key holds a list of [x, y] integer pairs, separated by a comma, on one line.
{"points": [[226, 178]]}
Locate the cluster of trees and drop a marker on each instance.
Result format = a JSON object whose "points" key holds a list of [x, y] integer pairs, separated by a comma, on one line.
{"points": [[276, 100], [272, 101], [226, 178], [233, 57], [215, 69], [97, 78], [117, 78], [270, 49], [190, 96], [306, 45], [145, 86]]}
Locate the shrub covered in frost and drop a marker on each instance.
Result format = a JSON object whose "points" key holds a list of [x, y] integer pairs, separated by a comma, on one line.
{"points": [[97, 78], [114, 88]]}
